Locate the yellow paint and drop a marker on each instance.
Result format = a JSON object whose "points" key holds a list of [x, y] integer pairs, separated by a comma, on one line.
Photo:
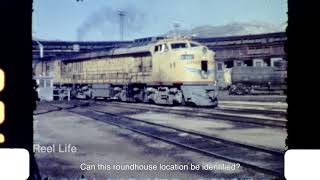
{"points": [[227, 76], [1, 80], [170, 67], [166, 66], [1, 112], [2, 138]]}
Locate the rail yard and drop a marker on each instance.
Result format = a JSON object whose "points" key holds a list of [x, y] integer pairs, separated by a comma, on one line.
{"points": [[170, 108], [249, 135]]}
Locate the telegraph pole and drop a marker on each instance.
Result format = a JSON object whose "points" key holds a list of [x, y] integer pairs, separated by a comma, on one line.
{"points": [[121, 14], [176, 26], [41, 51]]}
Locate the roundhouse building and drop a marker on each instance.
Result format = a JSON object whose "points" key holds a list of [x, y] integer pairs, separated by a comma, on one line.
{"points": [[53, 49], [249, 50]]}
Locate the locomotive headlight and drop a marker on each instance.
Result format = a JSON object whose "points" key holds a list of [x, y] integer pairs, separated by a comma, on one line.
{"points": [[187, 56]]}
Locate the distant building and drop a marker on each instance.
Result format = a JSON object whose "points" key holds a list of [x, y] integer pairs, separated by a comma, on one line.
{"points": [[54, 49], [249, 50]]}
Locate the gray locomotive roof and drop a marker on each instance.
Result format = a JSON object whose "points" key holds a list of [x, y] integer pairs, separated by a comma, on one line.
{"points": [[130, 49], [142, 45]]}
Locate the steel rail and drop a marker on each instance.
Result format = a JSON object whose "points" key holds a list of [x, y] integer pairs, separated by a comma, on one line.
{"points": [[161, 132], [210, 115]]}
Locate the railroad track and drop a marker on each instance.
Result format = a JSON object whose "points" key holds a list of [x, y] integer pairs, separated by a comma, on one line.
{"points": [[250, 110], [203, 113], [262, 105], [190, 112], [58, 106], [260, 159]]}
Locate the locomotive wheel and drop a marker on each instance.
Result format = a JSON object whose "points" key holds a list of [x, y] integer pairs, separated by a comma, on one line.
{"points": [[183, 102], [239, 91], [123, 96], [89, 96], [231, 91], [73, 93], [151, 101]]}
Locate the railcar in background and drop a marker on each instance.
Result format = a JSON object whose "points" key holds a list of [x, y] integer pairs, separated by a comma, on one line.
{"points": [[258, 80]]}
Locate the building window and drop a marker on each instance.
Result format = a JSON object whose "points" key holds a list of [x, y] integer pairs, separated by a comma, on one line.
{"points": [[248, 62], [220, 66], [238, 63], [229, 64], [267, 62], [41, 84], [48, 82], [276, 62], [258, 63]]}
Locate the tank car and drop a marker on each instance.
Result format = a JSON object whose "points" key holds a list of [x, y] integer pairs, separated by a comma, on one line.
{"points": [[154, 70]]}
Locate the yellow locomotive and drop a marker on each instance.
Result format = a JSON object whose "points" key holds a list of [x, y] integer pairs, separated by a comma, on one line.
{"points": [[156, 70]]}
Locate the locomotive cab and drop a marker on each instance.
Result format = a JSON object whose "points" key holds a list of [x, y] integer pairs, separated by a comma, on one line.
{"points": [[185, 61]]}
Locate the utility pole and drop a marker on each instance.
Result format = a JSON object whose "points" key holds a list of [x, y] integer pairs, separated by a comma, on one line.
{"points": [[41, 51], [176, 26], [41, 54], [121, 14], [40, 48]]}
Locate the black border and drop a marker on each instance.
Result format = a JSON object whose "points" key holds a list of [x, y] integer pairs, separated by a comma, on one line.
{"points": [[16, 62], [18, 95], [301, 48]]}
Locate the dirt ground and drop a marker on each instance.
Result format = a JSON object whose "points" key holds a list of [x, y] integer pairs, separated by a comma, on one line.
{"points": [[265, 137], [100, 143]]}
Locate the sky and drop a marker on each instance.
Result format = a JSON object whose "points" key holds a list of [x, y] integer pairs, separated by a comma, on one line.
{"points": [[98, 20]]}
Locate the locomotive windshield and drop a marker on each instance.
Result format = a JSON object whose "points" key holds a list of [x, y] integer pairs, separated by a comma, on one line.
{"points": [[193, 45], [183, 45], [178, 45]]}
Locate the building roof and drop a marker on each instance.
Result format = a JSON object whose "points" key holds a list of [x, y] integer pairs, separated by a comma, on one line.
{"points": [[95, 49]]}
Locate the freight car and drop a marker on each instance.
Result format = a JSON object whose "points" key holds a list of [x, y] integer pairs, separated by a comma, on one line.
{"points": [[258, 80], [154, 70]]}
